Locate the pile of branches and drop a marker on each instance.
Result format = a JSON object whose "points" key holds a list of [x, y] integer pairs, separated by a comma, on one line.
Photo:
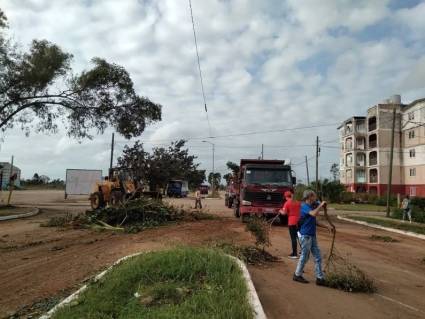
{"points": [[341, 273], [134, 216], [250, 254]]}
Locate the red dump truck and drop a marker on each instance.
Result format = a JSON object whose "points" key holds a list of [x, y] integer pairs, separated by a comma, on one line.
{"points": [[260, 187]]}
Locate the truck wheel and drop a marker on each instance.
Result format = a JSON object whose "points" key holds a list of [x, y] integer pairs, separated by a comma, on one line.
{"points": [[236, 211], [96, 201]]}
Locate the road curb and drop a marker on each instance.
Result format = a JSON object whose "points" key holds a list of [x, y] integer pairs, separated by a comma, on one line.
{"points": [[10, 217], [393, 230], [253, 299]]}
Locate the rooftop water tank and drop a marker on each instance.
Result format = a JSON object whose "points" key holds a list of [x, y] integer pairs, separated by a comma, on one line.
{"points": [[395, 99]]}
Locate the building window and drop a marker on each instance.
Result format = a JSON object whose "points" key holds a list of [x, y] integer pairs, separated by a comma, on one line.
{"points": [[413, 172], [411, 134], [411, 116], [412, 152], [412, 191]]}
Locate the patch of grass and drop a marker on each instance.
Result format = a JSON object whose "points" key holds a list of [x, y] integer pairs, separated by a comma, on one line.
{"points": [[58, 221], [249, 254], [391, 223], [179, 283], [359, 207], [386, 239]]}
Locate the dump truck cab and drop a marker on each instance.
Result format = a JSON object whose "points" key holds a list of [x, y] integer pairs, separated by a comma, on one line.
{"points": [[260, 187], [177, 188]]}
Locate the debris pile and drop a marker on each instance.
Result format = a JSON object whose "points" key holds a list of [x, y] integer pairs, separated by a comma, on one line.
{"points": [[132, 216]]}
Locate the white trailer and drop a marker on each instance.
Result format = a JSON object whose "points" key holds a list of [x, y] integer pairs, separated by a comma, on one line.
{"points": [[81, 181]]}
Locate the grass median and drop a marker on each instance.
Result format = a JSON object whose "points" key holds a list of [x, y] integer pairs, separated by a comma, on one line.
{"points": [[391, 223], [359, 207], [178, 283]]}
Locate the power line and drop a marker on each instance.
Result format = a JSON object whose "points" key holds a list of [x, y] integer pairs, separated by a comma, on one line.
{"points": [[199, 67]]}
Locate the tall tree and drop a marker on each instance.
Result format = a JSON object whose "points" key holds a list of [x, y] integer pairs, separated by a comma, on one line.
{"points": [[38, 89], [335, 171], [228, 177], [233, 167], [214, 179], [163, 164]]}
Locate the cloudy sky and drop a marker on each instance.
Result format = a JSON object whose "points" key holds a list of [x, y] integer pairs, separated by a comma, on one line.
{"points": [[267, 65]]}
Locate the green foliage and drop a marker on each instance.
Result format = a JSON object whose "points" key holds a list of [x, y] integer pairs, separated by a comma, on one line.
{"points": [[387, 222], [350, 278], [330, 190], [162, 165], [178, 283], [228, 177], [140, 214], [299, 190], [249, 254], [335, 171], [418, 215], [58, 221], [233, 167], [214, 179], [38, 89], [260, 229]]}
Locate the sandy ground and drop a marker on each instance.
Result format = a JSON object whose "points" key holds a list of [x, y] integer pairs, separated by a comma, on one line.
{"points": [[40, 265]]}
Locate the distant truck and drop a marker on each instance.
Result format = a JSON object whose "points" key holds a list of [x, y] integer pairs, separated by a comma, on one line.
{"points": [[260, 187], [229, 196], [203, 189], [177, 188]]}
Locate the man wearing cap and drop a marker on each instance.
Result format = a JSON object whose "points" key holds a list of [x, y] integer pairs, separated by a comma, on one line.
{"points": [[291, 208], [310, 208]]}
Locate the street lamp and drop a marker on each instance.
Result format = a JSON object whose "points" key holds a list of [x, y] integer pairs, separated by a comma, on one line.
{"points": [[213, 151]]}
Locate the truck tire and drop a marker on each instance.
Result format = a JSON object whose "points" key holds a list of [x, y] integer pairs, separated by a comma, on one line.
{"points": [[96, 201]]}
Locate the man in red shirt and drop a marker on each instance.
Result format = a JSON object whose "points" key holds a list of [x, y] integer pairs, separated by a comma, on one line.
{"points": [[291, 208]]}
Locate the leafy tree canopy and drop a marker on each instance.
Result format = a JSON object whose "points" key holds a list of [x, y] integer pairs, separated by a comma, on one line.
{"points": [[38, 88], [214, 179], [163, 164], [233, 167]]}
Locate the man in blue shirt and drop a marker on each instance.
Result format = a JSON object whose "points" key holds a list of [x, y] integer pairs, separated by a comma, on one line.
{"points": [[308, 239]]}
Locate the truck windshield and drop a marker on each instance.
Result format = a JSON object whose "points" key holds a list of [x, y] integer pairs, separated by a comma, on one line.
{"points": [[268, 176]]}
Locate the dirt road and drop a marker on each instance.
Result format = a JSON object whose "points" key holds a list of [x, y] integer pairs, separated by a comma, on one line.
{"points": [[40, 265]]}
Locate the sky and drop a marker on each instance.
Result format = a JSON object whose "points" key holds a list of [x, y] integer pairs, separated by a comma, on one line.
{"points": [[267, 65]]}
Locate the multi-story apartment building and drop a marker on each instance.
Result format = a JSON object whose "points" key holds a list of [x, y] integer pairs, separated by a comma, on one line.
{"points": [[366, 144]]}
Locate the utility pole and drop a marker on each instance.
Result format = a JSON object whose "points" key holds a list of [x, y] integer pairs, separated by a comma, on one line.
{"points": [[112, 154], [390, 176], [262, 151], [306, 167], [317, 164], [11, 182]]}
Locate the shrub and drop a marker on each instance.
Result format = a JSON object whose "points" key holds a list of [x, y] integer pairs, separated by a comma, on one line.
{"points": [[260, 229], [418, 215], [397, 213], [419, 202], [347, 197]]}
